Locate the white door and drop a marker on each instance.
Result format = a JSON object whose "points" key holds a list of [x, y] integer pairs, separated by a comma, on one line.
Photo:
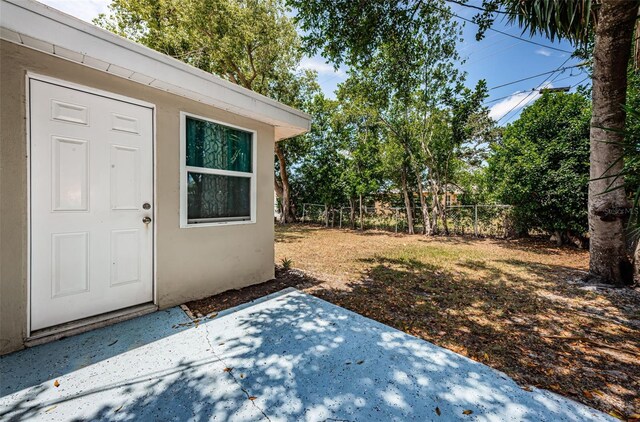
{"points": [[91, 181]]}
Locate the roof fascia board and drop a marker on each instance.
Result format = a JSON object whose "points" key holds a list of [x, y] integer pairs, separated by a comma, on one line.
{"points": [[59, 29]]}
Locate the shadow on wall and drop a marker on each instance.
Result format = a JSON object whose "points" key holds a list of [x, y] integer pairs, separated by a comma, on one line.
{"points": [[292, 357]]}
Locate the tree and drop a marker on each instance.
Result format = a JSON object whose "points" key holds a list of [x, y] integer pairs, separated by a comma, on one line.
{"points": [[541, 167], [251, 43], [362, 174], [360, 27], [321, 170], [612, 22]]}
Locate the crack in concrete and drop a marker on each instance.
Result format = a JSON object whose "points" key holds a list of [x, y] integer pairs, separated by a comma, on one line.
{"points": [[244, 390]]}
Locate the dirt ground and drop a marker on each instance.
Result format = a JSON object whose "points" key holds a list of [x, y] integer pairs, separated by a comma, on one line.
{"points": [[516, 305]]}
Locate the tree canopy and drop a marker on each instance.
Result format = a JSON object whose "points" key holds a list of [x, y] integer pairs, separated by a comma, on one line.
{"points": [[541, 166]]}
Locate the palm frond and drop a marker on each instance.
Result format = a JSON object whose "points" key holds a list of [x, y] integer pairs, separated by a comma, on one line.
{"points": [[556, 19]]}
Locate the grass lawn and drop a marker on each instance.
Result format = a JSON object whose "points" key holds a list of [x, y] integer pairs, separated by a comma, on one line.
{"points": [[514, 305]]}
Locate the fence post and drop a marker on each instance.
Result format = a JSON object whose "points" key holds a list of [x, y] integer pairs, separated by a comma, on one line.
{"points": [[340, 217], [303, 211], [395, 217], [475, 220]]}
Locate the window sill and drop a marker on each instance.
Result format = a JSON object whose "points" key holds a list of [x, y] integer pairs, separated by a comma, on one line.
{"points": [[216, 224]]}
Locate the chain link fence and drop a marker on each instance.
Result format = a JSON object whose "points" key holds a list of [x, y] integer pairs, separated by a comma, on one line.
{"points": [[481, 220]]}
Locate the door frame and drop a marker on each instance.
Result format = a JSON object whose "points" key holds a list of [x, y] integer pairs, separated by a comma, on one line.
{"points": [[110, 95]]}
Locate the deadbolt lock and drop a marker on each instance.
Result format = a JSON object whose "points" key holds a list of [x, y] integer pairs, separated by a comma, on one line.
{"points": [[146, 206]]}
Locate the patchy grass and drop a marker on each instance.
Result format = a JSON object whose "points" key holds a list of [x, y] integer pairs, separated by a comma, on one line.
{"points": [[514, 305]]}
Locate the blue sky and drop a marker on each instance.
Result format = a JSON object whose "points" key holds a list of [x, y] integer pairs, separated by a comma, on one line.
{"points": [[498, 59]]}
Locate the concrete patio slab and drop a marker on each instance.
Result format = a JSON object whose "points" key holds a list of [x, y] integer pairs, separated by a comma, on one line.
{"points": [[286, 357]]}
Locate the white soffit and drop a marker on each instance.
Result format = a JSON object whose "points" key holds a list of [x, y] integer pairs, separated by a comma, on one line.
{"points": [[43, 28]]}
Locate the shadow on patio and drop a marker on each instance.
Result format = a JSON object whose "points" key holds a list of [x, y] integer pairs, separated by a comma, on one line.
{"points": [[291, 357]]}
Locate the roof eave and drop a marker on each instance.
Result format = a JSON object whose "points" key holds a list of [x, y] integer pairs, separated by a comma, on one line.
{"points": [[46, 29]]}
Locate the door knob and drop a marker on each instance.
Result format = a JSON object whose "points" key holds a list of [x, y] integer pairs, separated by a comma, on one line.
{"points": [[146, 220]]}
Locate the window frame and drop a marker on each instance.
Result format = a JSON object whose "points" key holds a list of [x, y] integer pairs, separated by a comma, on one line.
{"points": [[185, 169]]}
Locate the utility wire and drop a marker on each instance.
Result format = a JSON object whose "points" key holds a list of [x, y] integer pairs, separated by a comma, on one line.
{"points": [[533, 89], [482, 9], [587, 77], [538, 75], [510, 95], [559, 70], [507, 34], [540, 88]]}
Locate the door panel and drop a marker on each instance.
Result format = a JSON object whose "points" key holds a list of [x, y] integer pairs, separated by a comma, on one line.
{"points": [[91, 171]]}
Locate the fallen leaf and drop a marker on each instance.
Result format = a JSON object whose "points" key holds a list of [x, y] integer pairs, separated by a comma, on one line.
{"points": [[615, 414], [587, 394], [252, 398], [527, 389], [111, 344], [50, 409], [598, 393], [438, 411], [360, 362], [241, 375], [56, 383], [228, 369], [467, 412], [118, 409]]}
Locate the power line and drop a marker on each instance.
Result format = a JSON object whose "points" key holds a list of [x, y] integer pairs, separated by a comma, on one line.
{"points": [[479, 59], [587, 77], [559, 70], [507, 34], [539, 74], [507, 96], [482, 9], [533, 89]]}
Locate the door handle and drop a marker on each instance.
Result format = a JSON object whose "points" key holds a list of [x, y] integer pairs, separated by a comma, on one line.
{"points": [[146, 220]]}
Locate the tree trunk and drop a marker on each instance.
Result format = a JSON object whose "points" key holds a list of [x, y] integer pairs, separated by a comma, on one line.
{"points": [[608, 209], [434, 211], [425, 209], [407, 201], [443, 214], [361, 215], [326, 215], [282, 189], [352, 213], [636, 262]]}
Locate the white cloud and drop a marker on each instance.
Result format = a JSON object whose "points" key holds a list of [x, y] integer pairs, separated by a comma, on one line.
{"points": [[515, 102], [323, 68], [543, 52], [81, 9]]}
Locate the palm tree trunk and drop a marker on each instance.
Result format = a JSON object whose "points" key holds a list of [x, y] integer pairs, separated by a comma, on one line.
{"points": [[608, 209]]}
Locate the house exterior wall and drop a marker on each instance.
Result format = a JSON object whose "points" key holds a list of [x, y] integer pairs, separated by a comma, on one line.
{"points": [[191, 263]]}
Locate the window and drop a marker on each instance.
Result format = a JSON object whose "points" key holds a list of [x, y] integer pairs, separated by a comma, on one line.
{"points": [[218, 173]]}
